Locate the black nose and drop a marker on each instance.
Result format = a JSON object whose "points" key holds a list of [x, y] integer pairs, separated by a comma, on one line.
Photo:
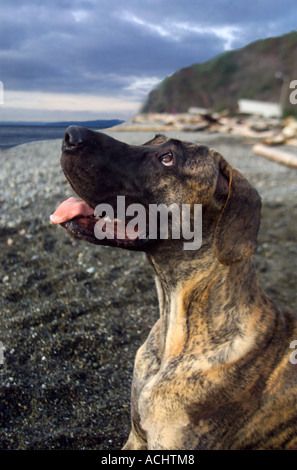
{"points": [[75, 136]]}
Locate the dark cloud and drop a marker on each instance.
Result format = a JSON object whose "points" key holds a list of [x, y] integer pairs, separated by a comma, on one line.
{"points": [[117, 47]]}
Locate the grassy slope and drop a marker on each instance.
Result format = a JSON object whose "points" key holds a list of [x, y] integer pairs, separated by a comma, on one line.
{"points": [[218, 83]]}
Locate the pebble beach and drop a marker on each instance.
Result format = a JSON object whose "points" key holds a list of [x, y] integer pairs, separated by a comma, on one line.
{"points": [[73, 315]]}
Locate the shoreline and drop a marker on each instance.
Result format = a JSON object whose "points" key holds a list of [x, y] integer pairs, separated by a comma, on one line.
{"points": [[269, 131]]}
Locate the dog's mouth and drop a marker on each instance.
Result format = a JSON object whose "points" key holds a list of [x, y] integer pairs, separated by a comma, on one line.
{"points": [[82, 222]]}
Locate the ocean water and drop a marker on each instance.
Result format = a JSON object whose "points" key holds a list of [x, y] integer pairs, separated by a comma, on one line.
{"points": [[12, 135]]}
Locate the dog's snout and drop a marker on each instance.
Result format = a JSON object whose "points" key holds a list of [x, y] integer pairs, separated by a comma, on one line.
{"points": [[75, 136]]}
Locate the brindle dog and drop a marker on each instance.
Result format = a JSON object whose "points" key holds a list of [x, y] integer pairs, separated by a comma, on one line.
{"points": [[215, 371]]}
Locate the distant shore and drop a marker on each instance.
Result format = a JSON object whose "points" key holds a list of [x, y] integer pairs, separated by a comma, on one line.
{"points": [[18, 133], [270, 130]]}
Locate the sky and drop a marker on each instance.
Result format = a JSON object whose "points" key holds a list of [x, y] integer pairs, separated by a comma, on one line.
{"points": [[98, 59]]}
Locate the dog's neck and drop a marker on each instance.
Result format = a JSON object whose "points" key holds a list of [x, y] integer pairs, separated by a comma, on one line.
{"points": [[199, 299]]}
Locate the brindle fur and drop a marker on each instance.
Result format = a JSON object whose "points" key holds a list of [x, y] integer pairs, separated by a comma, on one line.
{"points": [[215, 370]]}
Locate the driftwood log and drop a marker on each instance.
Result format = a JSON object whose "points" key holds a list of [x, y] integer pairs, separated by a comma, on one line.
{"points": [[277, 155]]}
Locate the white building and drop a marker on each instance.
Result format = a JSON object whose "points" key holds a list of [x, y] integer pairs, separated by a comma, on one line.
{"points": [[260, 108]]}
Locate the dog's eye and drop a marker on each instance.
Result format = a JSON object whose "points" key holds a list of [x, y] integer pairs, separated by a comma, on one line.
{"points": [[167, 159]]}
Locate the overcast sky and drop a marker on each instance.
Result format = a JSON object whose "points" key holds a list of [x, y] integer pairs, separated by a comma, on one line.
{"points": [[93, 59]]}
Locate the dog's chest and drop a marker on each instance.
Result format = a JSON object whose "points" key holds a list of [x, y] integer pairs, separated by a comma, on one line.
{"points": [[146, 370]]}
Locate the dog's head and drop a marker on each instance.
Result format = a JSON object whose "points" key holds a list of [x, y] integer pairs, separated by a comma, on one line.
{"points": [[102, 171]]}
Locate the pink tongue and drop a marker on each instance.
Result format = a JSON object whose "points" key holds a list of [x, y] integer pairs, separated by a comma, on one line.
{"points": [[69, 209]]}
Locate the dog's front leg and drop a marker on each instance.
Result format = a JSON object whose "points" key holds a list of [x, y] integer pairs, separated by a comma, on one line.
{"points": [[175, 434], [164, 420], [135, 442]]}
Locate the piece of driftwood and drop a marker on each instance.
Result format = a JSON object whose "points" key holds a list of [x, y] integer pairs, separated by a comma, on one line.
{"points": [[277, 155]]}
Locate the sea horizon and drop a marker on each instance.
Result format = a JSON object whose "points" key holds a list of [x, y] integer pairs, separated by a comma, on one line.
{"points": [[13, 133]]}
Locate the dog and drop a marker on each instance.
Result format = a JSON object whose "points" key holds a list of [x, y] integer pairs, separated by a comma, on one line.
{"points": [[215, 371]]}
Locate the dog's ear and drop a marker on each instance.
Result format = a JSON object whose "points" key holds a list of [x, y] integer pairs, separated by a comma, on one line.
{"points": [[238, 224], [157, 140]]}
